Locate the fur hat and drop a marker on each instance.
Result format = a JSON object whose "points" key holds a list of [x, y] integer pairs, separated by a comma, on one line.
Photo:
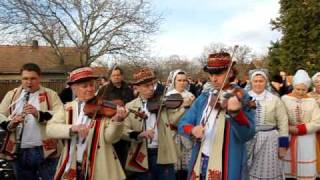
{"points": [[143, 75]]}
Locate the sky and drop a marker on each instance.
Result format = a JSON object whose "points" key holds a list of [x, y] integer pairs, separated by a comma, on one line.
{"points": [[190, 25]]}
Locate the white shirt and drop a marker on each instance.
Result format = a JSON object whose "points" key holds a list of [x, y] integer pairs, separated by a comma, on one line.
{"points": [[210, 115], [80, 118], [209, 133], [150, 124], [31, 136]]}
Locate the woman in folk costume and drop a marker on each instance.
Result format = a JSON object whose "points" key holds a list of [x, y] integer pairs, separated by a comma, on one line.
{"points": [[271, 140], [304, 120], [221, 131], [178, 84], [316, 83], [88, 152]]}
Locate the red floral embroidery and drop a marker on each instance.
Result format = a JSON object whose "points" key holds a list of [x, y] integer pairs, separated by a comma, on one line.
{"points": [[71, 174], [214, 175], [49, 144], [140, 157], [42, 97], [194, 176]]}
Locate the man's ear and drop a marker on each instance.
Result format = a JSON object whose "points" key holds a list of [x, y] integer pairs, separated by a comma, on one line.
{"points": [[73, 87], [231, 74], [135, 87]]}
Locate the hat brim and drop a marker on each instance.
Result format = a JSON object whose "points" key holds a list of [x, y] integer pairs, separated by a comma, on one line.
{"points": [[215, 70], [143, 81], [81, 80]]}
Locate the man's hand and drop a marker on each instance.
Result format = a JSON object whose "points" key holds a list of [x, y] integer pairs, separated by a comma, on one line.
{"points": [[29, 109], [198, 131], [187, 101], [81, 129], [122, 113], [148, 134], [233, 104], [17, 119], [293, 130]]}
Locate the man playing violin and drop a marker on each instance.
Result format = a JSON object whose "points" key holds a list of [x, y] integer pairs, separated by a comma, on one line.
{"points": [[152, 153], [221, 123], [26, 111], [118, 89], [88, 152]]}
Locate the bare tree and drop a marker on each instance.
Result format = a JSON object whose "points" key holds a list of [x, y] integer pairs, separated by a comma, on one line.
{"points": [[212, 48], [164, 65], [242, 55], [94, 27]]}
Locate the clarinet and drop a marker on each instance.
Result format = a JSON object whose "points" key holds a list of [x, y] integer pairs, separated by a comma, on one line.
{"points": [[19, 128]]}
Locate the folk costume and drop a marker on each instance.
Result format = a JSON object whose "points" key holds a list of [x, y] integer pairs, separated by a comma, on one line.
{"points": [[314, 94], [34, 137], [271, 133], [92, 157], [222, 152], [183, 144], [301, 160], [152, 159]]}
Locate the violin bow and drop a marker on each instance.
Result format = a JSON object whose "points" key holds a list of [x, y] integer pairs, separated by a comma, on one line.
{"points": [[223, 84], [161, 104], [162, 100]]}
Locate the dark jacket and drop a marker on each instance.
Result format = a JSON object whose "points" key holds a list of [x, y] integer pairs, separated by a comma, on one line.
{"points": [[124, 93], [66, 95]]}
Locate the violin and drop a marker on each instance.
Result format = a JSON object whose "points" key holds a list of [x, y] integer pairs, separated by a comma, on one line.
{"points": [[96, 107], [218, 102], [172, 101]]}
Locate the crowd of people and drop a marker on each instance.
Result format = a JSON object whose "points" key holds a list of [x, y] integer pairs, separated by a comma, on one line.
{"points": [[262, 128]]}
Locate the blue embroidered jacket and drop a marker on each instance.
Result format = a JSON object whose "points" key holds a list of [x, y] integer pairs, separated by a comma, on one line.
{"points": [[238, 130]]}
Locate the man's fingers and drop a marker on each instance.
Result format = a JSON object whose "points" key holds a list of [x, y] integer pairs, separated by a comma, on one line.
{"points": [[83, 131]]}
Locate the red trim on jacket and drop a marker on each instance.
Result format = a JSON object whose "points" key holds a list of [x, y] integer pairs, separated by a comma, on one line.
{"points": [[133, 161], [226, 151], [62, 168], [94, 146], [187, 128], [47, 99], [302, 129], [241, 118]]}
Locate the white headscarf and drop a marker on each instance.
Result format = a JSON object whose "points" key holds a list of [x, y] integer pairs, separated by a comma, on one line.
{"points": [[172, 79], [301, 77], [314, 77], [262, 72], [259, 72]]}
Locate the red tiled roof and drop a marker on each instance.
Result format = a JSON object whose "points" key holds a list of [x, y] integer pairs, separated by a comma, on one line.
{"points": [[100, 71], [13, 57]]}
